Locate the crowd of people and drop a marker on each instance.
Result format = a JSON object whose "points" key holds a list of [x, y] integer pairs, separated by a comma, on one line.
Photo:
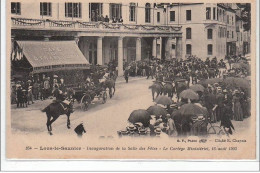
{"points": [[24, 92], [224, 101]]}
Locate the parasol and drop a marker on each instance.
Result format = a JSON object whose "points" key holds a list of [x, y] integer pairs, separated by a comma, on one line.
{"points": [[157, 110], [189, 94], [141, 116], [164, 100], [197, 87], [192, 109]]}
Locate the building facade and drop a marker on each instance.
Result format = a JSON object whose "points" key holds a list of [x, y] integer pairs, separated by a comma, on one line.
{"points": [[209, 29], [125, 32], [134, 31]]}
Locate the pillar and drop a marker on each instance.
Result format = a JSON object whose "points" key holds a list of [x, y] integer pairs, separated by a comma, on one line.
{"points": [[120, 56], [154, 47], [138, 49], [76, 38], [179, 53], [99, 51]]}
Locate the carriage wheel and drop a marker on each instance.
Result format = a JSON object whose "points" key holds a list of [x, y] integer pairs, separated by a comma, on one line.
{"points": [[85, 102], [215, 130], [104, 97]]}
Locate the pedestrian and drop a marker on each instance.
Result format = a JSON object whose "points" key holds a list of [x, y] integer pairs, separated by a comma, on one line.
{"points": [[35, 90], [126, 75], [80, 130], [237, 109], [226, 119]]}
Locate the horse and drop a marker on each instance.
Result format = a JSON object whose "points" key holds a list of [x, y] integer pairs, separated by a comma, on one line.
{"points": [[54, 110], [156, 87], [168, 89], [179, 88], [110, 83]]}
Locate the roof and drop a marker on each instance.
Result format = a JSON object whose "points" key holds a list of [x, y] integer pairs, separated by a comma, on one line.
{"points": [[52, 55]]}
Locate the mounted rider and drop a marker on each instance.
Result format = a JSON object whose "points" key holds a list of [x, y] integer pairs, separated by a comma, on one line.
{"points": [[60, 98]]}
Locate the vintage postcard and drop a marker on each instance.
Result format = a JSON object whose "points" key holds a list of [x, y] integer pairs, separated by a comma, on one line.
{"points": [[131, 79]]}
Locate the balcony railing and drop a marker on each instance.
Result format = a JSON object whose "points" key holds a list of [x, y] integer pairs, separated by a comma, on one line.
{"points": [[59, 24]]}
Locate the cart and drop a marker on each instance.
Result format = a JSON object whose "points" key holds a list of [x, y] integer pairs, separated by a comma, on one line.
{"points": [[85, 97]]}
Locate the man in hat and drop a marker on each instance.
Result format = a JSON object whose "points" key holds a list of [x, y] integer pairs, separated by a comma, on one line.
{"points": [[219, 100], [126, 74], [80, 130], [19, 95], [46, 86]]}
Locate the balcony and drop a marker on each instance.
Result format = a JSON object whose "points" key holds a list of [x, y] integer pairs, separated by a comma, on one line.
{"points": [[93, 27]]}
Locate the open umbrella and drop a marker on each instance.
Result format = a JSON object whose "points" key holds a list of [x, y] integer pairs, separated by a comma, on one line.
{"points": [[243, 83], [140, 115], [192, 109], [237, 82], [241, 65], [189, 94], [197, 87], [210, 81], [163, 100], [157, 110]]}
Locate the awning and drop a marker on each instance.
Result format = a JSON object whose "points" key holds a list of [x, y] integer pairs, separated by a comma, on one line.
{"points": [[45, 56]]}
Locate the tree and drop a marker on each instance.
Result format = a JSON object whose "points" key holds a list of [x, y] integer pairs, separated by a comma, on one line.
{"points": [[246, 16]]}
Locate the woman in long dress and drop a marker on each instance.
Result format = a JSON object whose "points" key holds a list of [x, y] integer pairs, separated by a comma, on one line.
{"points": [[238, 113]]}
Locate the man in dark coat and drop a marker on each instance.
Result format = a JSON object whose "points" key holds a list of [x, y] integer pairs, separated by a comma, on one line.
{"points": [[126, 74], [225, 118], [80, 129], [220, 102], [19, 95]]}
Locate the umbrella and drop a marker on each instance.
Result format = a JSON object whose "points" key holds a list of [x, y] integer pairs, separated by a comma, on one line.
{"points": [[192, 109], [237, 82], [164, 100], [241, 65], [140, 115], [157, 110], [189, 94], [210, 81], [243, 83], [197, 87]]}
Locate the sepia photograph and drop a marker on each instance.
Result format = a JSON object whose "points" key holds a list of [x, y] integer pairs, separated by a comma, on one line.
{"points": [[130, 80]]}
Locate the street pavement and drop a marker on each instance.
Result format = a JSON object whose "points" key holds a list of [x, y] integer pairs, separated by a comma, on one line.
{"points": [[101, 120]]}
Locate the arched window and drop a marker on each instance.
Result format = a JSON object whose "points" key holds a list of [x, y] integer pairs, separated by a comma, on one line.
{"points": [[147, 12], [188, 33]]}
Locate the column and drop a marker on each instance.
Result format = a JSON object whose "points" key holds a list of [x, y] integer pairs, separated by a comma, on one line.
{"points": [[179, 53], [154, 47], [120, 56], [99, 51], [76, 38], [12, 47], [138, 49]]}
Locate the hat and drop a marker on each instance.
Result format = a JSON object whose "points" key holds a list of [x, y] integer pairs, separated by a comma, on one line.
{"points": [[131, 127], [225, 91], [142, 132], [158, 130], [29, 81], [139, 124]]}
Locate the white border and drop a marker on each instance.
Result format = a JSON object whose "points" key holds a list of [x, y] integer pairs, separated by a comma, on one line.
{"points": [[122, 165]]}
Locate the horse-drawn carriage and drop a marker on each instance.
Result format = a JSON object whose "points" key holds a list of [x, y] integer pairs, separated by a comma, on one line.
{"points": [[86, 96]]}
